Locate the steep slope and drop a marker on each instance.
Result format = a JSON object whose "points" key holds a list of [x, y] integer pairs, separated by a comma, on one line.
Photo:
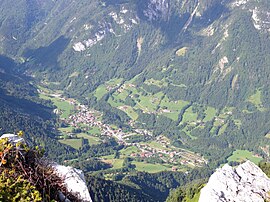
{"points": [[21, 109], [27, 176], [247, 182]]}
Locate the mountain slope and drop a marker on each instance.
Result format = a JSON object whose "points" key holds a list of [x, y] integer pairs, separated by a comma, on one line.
{"points": [[21, 109]]}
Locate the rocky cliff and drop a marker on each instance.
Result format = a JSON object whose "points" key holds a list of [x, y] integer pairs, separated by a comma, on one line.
{"points": [[247, 183], [71, 182]]}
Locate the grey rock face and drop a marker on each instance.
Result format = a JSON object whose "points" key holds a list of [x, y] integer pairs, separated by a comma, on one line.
{"points": [[74, 181], [261, 19], [157, 10], [13, 138], [246, 183]]}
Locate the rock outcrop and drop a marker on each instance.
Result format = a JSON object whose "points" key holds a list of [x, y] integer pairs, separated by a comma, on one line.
{"points": [[157, 10], [245, 183], [73, 179], [13, 138]]}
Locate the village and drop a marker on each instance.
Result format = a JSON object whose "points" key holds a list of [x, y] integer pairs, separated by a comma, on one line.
{"points": [[85, 118]]}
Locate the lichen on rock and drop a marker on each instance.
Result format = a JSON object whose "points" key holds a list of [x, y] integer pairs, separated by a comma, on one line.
{"points": [[245, 183]]}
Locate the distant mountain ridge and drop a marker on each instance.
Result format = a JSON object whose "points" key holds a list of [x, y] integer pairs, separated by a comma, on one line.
{"points": [[57, 31]]}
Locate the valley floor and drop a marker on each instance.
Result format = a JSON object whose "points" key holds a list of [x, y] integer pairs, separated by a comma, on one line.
{"points": [[154, 154]]}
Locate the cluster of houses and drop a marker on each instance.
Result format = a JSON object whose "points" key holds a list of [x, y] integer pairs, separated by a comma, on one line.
{"points": [[125, 86], [82, 117], [88, 118], [166, 154]]}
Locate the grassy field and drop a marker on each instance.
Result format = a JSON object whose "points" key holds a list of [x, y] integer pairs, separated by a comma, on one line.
{"points": [[210, 114], [148, 103], [171, 115], [129, 150], [103, 89], [95, 131], [140, 166], [189, 116], [92, 140], [174, 107], [75, 143], [156, 83], [151, 168], [66, 129], [256, 98], [121, 95], [64, 106], [129, 111], [156, 145], [116, 163], [114, 102], [243, 155], [114, 82], [45, 90], [100, 92], [222, 129]]}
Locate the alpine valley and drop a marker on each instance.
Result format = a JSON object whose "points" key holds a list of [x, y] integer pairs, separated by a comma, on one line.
{"points": [[143, 95]]}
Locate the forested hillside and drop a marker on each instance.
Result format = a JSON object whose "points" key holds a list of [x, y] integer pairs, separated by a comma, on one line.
{"points": [[21, 109], [147, 187]]}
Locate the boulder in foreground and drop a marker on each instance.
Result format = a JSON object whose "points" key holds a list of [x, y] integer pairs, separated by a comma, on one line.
{"points": [[245, 183]]}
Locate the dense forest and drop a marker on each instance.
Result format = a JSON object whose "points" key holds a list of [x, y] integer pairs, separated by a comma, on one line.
{"points": [[148, 187], [21, 109]]}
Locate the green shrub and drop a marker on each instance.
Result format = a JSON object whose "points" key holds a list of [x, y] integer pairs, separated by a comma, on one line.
{"points": [[25, 177], [17, 189]]}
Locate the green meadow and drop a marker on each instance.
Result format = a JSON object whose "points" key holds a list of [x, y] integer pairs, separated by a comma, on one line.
{"points": [[64, 106], [243, 155], [75, 143], [149, 167]]}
